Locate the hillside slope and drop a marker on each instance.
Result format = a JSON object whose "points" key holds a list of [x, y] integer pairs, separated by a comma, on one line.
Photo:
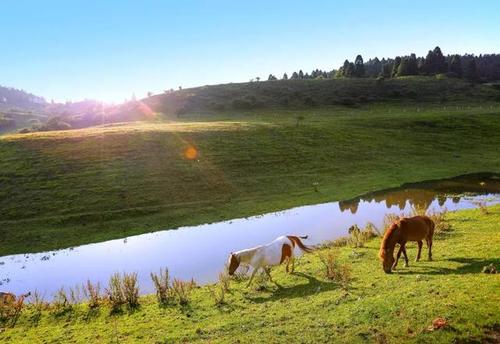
{"points": [[65, 188], [319, 92]]}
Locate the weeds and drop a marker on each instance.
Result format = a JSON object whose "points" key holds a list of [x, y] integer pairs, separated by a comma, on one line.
{"points": [[224, 280], [123, 290], [482, 207], [10, 309], [114, 293], [131, 289], [92, 293], [163, 289], [182, 291], [218, 293], [334, 271], [359, 237], [61, 303]]}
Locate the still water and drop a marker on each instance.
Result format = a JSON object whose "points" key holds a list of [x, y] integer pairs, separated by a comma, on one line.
{"points": [[199, 252]]}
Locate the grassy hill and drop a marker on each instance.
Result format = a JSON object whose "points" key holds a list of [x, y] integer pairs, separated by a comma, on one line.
{"points": [[319, 92], [308, 308], [65, 188]]}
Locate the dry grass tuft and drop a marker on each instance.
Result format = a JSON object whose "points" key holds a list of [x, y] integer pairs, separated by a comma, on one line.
{"points": [[334, 271], [161, 282]]}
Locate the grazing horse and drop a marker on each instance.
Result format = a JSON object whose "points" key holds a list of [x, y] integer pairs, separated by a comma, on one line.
{"points": [[272, 254], [414, 228]]}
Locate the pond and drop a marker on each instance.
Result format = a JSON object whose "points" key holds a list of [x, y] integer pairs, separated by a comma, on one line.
{"points": [[200, 252]]}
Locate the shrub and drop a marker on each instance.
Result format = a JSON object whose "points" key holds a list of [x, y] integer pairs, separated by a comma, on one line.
{"points": [[92, 294], [224, 280], [37, 301], [130, 289], [61, 303], [440, 223], [359, 237], [162, 286], [218, 293], [334, 271], [75, 295], [114, 292], [10, 310], [482, 207], [182, 291]]}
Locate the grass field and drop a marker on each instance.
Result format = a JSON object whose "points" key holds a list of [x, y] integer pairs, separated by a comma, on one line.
{"points": [[308, 308], [59, 189]]}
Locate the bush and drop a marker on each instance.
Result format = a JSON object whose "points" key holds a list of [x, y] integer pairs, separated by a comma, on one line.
{"points": [[359, 237], [92, 294], [61, 303], [218, 294], [163, 289], [182, 291], [10, 310], [123, 290], [114, 292], [334, 271], [131, 289]]}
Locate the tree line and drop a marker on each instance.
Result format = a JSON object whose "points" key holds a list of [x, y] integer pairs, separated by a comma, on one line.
{"points": [[482, 68]]}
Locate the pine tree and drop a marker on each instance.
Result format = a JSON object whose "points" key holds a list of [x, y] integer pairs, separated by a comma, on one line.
{"points": [[359, 68], [301, 74], [285, 76], [439, 61], [470, 70], [456, 66], [412, 65], [295, 76]]}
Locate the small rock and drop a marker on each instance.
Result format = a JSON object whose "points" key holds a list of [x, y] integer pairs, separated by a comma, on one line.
{"points": [[490, 269]]}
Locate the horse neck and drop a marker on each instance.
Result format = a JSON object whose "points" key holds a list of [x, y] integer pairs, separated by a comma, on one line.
{"points": [[391, 237], [244, 256]]}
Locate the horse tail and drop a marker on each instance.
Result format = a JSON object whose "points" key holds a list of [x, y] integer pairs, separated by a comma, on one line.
{"points": [[296, 241]]}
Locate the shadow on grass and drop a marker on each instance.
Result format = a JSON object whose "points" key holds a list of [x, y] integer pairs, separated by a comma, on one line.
{"points": [[312, 287], [469, 266]]}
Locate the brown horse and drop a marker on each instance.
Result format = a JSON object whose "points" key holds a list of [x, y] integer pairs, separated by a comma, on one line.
{"points": [[414, 228]]}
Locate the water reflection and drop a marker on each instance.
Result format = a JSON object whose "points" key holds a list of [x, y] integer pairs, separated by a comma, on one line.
{"points": [[200, 252]]}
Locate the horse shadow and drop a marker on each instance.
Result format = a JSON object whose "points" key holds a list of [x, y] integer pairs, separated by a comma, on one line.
{"points": [[469, 266], [312, 287]]}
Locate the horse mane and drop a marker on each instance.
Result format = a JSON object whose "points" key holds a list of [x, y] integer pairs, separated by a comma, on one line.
{"points": [[388, 234]]}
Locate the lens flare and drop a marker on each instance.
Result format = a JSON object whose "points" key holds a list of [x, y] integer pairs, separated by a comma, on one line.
{"points": [[190, 153]]}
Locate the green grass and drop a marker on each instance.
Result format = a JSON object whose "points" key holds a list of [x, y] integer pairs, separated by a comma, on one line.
{"points": [[375, 307], [59, 189]]}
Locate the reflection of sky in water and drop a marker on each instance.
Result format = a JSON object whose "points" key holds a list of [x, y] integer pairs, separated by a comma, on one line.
{"points": [[200, 252]]}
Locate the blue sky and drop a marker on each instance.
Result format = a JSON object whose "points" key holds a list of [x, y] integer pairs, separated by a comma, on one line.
{"points": [[108, 50]]}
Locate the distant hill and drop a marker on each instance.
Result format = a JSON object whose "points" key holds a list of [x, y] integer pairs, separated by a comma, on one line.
{"points": [[12, 97], [318, 92]]}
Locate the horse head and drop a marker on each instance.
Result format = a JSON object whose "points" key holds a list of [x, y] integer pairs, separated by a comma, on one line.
{"points": [[233, 263]]}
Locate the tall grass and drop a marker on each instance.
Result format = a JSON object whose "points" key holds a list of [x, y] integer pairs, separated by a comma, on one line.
{"points": [[334, 271], [161, 282], [10, 310], [182, 291], [131, 289], [123, 290], [92, 293]]}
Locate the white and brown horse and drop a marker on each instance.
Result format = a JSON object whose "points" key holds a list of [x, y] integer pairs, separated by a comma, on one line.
{"points": [[272, 254]]}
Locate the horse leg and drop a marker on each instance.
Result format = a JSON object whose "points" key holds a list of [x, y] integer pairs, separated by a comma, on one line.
{"points": [[420, 244], [252, 276], [429, 245], [397, 257], [406, 256], [268, 273]]}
